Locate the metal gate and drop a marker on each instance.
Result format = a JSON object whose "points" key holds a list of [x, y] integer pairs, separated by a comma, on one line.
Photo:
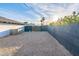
{"points": [[27, 28], [35, 28], [32, 28]]}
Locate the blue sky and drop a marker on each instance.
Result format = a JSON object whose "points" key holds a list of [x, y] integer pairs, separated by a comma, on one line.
{"points": [[34, 11]]}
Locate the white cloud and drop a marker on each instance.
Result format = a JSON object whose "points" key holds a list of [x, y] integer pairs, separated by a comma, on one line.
{"points": [[48, 10], [57, 10]]}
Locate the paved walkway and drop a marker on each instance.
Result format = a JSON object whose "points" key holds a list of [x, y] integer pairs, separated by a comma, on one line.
{"points": [[33, 44]]}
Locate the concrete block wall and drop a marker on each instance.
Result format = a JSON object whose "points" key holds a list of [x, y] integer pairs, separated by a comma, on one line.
{"points": [[67, 35]]}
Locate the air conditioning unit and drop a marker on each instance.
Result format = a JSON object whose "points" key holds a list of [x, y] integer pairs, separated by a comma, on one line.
{"points": [[17, 30]]}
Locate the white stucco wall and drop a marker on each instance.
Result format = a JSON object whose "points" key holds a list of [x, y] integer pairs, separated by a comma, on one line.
{"points": [[4, 33]]}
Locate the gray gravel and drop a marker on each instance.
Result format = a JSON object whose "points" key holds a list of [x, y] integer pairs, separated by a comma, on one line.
{"points": [[34, 44]]}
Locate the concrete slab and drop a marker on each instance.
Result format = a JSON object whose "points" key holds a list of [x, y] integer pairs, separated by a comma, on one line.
{"points": [[34, 44]]}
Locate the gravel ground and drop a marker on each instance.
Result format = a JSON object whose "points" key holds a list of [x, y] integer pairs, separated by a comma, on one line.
{"points": [[32, 44]]}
